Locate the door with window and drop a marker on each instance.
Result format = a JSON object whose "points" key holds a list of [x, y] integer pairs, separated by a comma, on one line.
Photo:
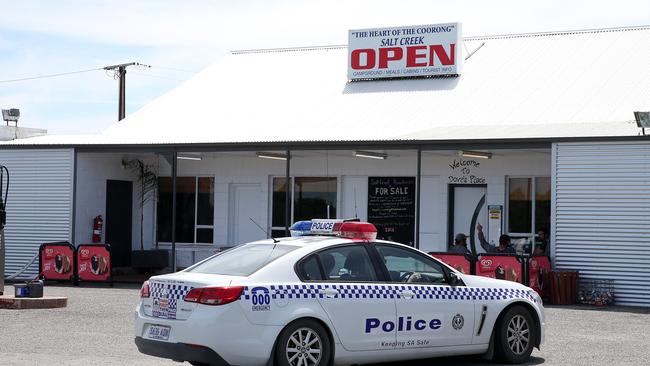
{"points": [[361, 310], [430, 312], [310, 198]]}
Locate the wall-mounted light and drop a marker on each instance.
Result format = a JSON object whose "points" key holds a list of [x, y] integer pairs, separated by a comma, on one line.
{"points": [[268, 155], [370, 155], [189, 157], [642, 120], [11, 115], [475, 154]]}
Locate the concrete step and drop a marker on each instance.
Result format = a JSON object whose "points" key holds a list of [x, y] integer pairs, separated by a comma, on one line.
{"points": [[46, 302]]}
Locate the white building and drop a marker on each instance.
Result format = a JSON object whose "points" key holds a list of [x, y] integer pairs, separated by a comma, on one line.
{"points": [[553, 111]]}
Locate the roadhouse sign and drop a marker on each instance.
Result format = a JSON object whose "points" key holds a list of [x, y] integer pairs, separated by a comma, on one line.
{"points": [[415, 51]]}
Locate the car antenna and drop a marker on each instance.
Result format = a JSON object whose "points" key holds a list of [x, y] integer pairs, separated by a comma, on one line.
{"points": [[264, 231], [355, 202]]}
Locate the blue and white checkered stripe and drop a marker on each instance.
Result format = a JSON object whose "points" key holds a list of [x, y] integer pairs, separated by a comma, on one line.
{"points": [[372, 291], [174, 292]]}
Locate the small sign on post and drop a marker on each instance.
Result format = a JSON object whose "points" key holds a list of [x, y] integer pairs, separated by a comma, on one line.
{"points": [[94, 263], [57, 261]]}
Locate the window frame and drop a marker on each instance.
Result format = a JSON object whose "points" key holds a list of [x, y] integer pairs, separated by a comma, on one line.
{"points": [[533, 190], [445, 270], [379, 273], [196, 208], [292, 194], [383, 276]]}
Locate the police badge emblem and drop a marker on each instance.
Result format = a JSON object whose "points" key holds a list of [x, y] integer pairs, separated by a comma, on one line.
{"points": [[458, 322]]}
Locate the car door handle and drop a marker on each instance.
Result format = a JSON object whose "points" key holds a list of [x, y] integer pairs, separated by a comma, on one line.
{"points": [[407, 294], [329, 292]]}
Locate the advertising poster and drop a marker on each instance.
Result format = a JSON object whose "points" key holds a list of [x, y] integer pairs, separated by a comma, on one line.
{"points": [[495, 217], [457, 261], [397, 52], [391, 208], [539, 270], [500, 267], [93, 262], [57, 261]]}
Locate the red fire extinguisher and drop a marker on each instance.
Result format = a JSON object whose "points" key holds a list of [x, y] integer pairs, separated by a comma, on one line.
{"points": [[98, 223]]}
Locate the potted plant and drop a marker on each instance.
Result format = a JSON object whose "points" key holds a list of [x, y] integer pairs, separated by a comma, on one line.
{"points": [[148, 189]]}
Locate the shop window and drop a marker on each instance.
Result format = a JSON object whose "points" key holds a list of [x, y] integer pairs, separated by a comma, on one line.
{"points": [[529, 205], [311, 198], [194, 209]]}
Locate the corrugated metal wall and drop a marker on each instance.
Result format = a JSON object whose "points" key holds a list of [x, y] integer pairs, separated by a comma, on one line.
{"points": [[601, 213], [39, 207]]}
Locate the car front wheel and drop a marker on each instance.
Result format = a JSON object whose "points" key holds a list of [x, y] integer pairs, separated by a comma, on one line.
{"points": [[303, 343], [516, 335]]}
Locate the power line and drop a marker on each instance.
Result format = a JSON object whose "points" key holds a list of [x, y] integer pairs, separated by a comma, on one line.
{"points": [[49, 75], [107, 68]]}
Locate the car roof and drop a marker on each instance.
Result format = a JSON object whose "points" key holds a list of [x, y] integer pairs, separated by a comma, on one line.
{"points": [[312, 240], [302, 241]]}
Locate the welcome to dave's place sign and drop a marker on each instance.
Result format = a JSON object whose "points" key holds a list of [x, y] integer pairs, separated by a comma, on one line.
{"points": [[415, 51]]}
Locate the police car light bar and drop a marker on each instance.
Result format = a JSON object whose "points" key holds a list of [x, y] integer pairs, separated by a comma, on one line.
{"points": [[337, 227]]}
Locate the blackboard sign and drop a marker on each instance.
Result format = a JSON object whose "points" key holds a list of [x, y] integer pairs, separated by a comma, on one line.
{"points": [[391, 208]]}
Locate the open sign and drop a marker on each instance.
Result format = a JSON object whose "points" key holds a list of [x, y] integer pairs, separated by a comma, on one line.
{"points": [[414, 51]]}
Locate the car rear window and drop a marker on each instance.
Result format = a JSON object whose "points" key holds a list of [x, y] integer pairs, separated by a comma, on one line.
{"points": [[244, 260]]}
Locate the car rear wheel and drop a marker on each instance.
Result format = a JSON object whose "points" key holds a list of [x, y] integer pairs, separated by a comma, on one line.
{"points": [[303, 343], [516, 335]]}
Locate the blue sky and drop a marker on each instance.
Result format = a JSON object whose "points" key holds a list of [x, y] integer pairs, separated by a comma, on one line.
{"points": [[179, 38]]}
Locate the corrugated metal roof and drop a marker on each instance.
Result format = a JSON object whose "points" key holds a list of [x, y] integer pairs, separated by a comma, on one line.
{"points": [[543, 85]]}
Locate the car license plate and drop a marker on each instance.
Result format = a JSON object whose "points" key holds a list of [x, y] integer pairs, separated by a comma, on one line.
{"points": [[158, 332]]}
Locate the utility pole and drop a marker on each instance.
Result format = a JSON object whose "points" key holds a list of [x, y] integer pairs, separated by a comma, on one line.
{"points": [[120, 73]]}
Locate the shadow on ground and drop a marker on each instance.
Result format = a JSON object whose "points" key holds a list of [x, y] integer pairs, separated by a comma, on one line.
{"points": [[612, 309], [461, 361]]}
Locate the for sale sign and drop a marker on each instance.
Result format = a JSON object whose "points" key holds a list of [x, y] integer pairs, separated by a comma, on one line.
{"points": [[415, 51]]}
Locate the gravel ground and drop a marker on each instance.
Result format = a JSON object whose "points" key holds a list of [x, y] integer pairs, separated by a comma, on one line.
{"points": [[97, 329]]}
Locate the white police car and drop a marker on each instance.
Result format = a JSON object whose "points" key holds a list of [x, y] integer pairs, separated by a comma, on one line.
{"points": [[340, 298]]}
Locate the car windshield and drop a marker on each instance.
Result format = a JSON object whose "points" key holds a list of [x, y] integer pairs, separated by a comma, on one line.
{"points": [[244, 260]]}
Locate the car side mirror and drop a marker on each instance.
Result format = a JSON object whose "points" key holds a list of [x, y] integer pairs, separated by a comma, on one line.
{"points": [[455, 280]]}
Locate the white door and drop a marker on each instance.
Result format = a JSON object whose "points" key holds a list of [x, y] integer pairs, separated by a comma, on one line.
{"points": [[430, 312], [361, 308], [245, 207], [469, 209]]}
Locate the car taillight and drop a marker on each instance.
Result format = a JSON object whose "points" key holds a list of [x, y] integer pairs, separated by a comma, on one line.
{"points": [[214, 295], [144, 290]]}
